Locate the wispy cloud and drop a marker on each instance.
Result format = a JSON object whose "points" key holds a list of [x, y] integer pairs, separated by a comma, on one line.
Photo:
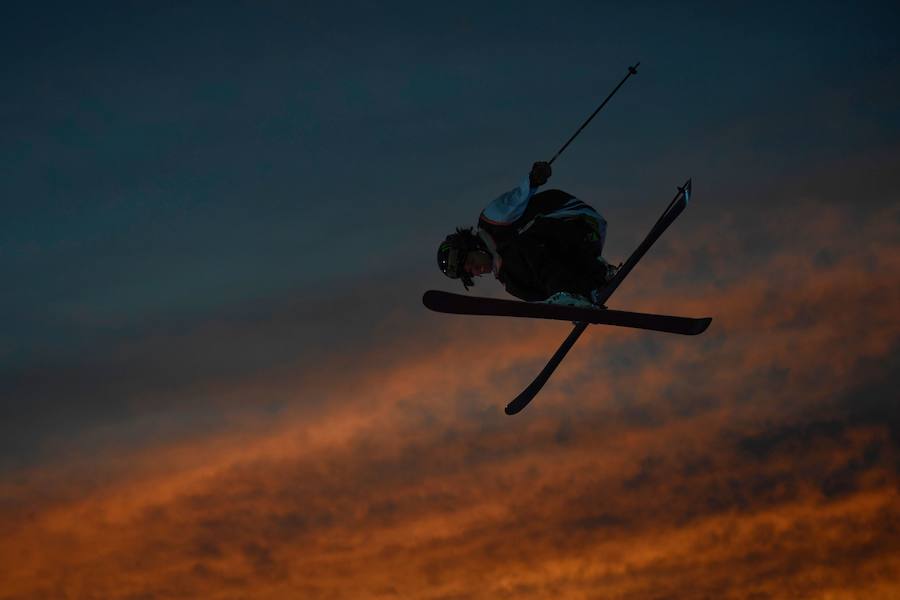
{"points": [[760, 458]]}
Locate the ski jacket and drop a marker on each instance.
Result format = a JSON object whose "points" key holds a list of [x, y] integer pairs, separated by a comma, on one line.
{"points": [[543, 242]]}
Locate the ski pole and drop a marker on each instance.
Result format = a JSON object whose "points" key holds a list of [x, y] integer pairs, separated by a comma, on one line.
{"points": [[631, 71]]}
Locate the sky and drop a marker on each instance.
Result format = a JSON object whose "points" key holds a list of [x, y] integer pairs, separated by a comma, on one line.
{"points": [[217, 379]]}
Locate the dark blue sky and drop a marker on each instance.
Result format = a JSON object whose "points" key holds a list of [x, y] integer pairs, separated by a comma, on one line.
{"points": [[217, 378], [163, 169]]}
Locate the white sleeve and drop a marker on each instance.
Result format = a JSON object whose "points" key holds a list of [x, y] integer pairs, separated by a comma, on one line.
{"points": [[509, 206]]}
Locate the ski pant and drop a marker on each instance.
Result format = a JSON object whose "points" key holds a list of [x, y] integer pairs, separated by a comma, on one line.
{"points": [[573, 250]]}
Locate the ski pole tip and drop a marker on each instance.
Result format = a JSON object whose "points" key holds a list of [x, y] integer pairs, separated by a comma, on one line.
{"points": [[633, 69]]}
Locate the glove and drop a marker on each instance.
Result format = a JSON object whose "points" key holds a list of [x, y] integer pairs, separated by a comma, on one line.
{"points": [[540, 173]]}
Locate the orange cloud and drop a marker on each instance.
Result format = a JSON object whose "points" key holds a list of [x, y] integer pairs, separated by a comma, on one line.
{"points": [[757, 459]]}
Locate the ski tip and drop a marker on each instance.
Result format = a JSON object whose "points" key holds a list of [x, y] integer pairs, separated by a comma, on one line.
{"points": [[522, 400], [431, 299], [702, 325], [686, 190]]}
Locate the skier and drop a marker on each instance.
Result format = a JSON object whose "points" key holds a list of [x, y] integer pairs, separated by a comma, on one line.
{"points": [[542, 246]]}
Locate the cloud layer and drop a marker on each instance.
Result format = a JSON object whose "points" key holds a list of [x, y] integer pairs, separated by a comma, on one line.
{"points": [[759, 459]]}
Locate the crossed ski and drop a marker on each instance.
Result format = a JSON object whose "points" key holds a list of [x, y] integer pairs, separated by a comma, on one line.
{"points": [[459, 304], [447, 302]]}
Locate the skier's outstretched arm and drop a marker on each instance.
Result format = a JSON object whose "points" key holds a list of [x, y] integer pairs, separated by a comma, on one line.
{"points": [[508, 207]]}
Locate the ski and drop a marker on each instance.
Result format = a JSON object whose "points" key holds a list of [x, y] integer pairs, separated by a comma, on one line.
{"points": [[675, 208], [447, 302]]}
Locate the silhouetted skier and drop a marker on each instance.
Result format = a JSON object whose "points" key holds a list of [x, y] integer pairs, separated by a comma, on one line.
{"points": [[542, 246]]}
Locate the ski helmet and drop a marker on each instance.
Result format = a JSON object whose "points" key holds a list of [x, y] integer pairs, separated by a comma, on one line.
{"points": [[451, 255]]}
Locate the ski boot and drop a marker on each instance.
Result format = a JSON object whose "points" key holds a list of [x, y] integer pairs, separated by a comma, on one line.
{"points": [[610, 270], [568, 299], [608, 276]]}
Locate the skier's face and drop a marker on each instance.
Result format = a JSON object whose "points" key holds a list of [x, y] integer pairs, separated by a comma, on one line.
{"points": [[477, 263]]}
